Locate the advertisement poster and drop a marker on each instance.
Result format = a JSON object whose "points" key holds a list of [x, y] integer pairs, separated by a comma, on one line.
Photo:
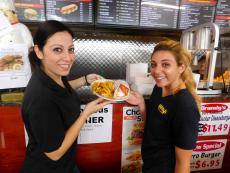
{"points": [[15, 69], [98, 127], [208, 154], [215, 119], [132, 134]]}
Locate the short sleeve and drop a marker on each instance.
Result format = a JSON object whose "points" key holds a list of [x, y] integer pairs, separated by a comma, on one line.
{"points": [[47, 126], [185, 127]]}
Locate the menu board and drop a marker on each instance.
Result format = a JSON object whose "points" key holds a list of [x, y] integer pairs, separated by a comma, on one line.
{"points": [[30, 10], [159, 13], [119, 12], [196, 12], [222, 17], [70, 10]]}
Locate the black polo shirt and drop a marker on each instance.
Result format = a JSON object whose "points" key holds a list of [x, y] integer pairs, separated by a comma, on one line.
{"points": [[171, 121], [48, 110]]}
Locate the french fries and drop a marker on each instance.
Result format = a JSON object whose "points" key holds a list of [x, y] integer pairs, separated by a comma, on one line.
{"points": [[105, 89]]}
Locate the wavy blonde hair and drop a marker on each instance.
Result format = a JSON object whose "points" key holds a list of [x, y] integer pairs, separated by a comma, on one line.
{"points": [[182, 56]]}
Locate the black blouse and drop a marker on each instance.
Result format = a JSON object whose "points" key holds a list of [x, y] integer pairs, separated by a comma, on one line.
{"points": [[48, 110], [171, 121]]}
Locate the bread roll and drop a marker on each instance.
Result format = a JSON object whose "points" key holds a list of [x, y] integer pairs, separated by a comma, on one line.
{"points": [[30, 14], [69, 9]]}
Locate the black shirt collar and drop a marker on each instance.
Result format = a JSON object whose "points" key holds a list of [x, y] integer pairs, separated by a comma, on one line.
{"points": [[50, 83]]}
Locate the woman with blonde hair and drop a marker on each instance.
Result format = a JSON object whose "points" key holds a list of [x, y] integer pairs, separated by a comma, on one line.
{"points": [[171, 114]]}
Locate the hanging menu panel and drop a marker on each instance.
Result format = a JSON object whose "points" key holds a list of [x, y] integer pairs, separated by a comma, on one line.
{"points": [[159, 13], [70, 10], [222, 17], [118, 12], [196, 12], [30, 10]]}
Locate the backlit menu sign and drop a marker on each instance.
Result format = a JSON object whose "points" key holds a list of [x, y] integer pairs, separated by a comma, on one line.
{"points": [[30, 10], [196, 12], [159, 13], [119, 12], [222, 17], [70, 10]]}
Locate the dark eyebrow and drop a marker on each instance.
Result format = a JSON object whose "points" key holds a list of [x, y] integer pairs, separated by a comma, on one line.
{"points": [[59, 45], [55, 45]]}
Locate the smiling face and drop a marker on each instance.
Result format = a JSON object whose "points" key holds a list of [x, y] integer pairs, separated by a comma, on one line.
{"points": [[165, 70], [57, 55]]}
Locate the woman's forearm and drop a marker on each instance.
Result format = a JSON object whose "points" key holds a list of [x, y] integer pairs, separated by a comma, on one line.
{"points": [[77, 83], [182, 167], [182, 160], [70, 136]]}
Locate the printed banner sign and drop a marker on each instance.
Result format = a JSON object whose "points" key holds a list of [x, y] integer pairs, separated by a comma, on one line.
{"points": [[215, 119], [208, 154], [98, 127], [15, 69], [132, 134]]}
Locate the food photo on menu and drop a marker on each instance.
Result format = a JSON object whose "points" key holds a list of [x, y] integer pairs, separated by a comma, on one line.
{"points": [[136, 134], [10, 62], [136, 155], [133, 167], [115, 90], [30, 14], [68, 9], [133, 162]]}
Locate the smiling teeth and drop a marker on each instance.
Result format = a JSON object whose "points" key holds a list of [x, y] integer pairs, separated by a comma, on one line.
{"points": [[159, 78], [64, 66]]}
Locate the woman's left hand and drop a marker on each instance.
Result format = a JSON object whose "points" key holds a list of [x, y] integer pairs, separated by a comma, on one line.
{"points": [[92, 77]]}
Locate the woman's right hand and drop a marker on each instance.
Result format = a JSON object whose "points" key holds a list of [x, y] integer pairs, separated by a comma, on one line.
{"points": [[135, 98], [95, 106]]}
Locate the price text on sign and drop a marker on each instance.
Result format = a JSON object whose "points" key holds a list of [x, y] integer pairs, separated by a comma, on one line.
{"points": [[215, 119], [207, 164], [215, 127], [208, 154]]}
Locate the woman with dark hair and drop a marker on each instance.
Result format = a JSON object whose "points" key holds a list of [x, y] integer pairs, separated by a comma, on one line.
{"points": [[51, 107], [172, 113]]}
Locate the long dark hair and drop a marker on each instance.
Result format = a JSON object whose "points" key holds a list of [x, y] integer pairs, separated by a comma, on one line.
{"points": [[44, 32]]}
